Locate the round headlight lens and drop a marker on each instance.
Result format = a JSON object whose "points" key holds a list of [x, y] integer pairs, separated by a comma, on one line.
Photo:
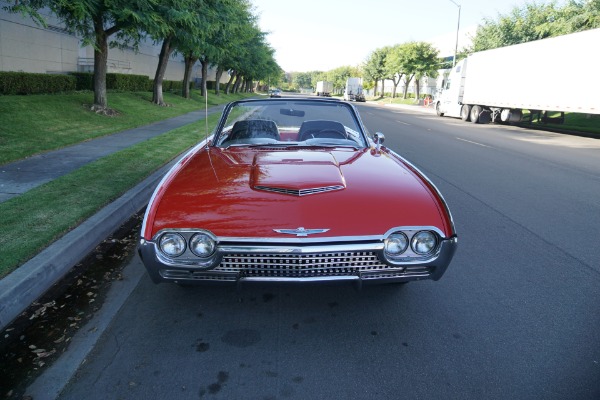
{"points": [[202, 245], [396, 244], [172, 244], [424, 242]]}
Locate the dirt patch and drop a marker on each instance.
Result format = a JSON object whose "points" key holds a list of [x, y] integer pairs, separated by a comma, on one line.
{"points": [[43, 332]]}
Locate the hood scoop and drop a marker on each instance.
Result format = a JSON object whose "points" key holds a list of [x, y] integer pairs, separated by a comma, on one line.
{"points": [[298, 173]]}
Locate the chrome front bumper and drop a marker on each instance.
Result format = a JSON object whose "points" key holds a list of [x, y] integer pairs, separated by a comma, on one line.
{"points": [[362, 262]]}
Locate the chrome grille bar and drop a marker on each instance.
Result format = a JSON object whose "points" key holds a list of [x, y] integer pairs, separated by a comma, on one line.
{"points": [[299, 192], [302, 265]]}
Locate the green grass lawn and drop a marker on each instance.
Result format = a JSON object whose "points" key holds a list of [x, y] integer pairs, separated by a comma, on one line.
{"points": [[38, 123], [32, 221], [573, 122]]}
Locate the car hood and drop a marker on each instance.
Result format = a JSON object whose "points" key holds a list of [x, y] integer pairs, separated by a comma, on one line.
{"points": [[241, 193]]}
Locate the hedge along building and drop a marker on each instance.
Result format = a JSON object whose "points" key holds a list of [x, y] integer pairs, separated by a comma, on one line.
{"points": [[28, 47]]}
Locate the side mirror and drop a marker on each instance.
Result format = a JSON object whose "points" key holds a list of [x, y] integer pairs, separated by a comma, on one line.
{"points": [[378, 139]]}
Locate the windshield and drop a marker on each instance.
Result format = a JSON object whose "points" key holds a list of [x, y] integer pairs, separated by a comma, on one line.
{"points": [[290, 122]]}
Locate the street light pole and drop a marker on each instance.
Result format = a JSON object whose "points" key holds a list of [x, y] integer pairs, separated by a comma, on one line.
{"points": [[457, 28]]}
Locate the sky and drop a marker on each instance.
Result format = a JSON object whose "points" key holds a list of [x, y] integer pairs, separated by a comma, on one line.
{"points": [[320, 35]]}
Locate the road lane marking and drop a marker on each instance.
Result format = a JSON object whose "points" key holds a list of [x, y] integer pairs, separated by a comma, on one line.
{"points": [[402, 122], [478, 144]]}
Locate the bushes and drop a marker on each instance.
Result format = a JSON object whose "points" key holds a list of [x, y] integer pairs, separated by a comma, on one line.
{"points": [[83, 80], [128, 83], [27, 83], [170, 86], [124, 82], [211, 85]]}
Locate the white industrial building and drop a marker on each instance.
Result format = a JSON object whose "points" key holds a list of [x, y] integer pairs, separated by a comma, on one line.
{"points": [[28, 47]]}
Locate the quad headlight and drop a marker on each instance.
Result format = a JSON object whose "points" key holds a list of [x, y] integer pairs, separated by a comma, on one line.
{"points": [[172, 244], [176, 244], [409, 244], [423, 242], [202, 245], [396, 244]]}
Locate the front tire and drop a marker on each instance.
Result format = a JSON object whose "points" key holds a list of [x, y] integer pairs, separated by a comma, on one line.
{"points": [[438, 111]]}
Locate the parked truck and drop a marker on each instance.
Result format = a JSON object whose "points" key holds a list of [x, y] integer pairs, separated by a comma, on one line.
{"points": [[324, 88], [554, 74], [354, 90]]}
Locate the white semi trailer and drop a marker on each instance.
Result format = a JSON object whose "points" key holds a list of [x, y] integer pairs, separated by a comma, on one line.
{"points": [[324, 88], [554, 74], [354, 90]]}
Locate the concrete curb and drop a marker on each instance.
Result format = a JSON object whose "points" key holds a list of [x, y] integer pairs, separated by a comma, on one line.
{"points": [[23, 286], [52, 381]]}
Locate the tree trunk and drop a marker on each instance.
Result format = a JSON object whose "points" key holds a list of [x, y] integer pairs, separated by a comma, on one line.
{"points": [[204, 64], [375, 87], [406, 83], [231, 78], [417, 90], [238, 82], [396, 83], [218, 81], [100, 66], [235, 86], [190, 60], [163, 60]]}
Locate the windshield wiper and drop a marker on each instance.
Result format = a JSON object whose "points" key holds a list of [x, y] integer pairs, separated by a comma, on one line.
{"points": [[332, 145]]}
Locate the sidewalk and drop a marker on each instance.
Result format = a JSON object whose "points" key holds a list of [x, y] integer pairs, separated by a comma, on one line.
{"points": [[22, 287], [18, 177]]}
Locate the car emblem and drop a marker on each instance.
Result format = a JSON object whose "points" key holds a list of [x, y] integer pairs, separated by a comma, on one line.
{"points": [[300, 231]]}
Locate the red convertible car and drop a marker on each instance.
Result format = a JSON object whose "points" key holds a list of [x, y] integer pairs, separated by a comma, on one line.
{"points": [[295, 190]]}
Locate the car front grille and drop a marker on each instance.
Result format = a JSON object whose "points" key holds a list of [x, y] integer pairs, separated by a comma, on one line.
{"points": [[297, 265], [364, 264]]}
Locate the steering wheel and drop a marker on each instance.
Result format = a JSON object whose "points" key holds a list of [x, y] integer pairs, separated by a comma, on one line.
{"points": [[328, 133]]}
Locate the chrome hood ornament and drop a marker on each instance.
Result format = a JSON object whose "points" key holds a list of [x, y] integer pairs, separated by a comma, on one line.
{"points": [[300, 231]]}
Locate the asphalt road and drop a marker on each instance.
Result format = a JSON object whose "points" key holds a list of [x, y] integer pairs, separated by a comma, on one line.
{"points": [[515, 317]]}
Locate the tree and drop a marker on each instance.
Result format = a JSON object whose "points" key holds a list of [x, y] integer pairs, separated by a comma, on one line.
{"points": [[231, 29], [374, 68], [227, 45], [96, 22], [419, 59], [253, 60], [425, 64], [260, 62], [316, 76], [395, 64], [536, 21], [338, 76], [303, 80], [182, 25]]}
